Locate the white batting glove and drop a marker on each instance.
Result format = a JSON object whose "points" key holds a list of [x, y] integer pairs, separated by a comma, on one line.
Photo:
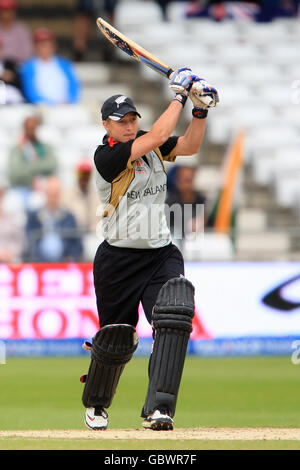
{"points": [[181, 80], [203, 95]]}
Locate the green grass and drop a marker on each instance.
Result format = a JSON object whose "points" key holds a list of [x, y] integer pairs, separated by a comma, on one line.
{"points": [[85, 444], [236, 392]]}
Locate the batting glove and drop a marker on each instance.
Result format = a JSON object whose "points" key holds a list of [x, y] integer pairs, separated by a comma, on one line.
{"points": [[202, 94], [182, 80]]}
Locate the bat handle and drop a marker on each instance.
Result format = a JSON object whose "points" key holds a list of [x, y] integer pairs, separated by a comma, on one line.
{"points": [[206, 100]]}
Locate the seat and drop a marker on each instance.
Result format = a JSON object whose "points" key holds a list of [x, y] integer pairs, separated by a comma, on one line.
{"points": [[284, 53], [263, 144], [156, 36], [6, 138], [248, 116], [67, 116], [287, 159], [4, 154], [92, 95], [251, 220], [277, 94], [13, 204], [264, 34], [50, 135], [262, 244], [85, 138], [12, 117], [67, 156], [209, 247], [134, 14], [213, 34], [209, 180], [287, 176], [291, 114], [92, 73], [256, 74], [287, 189], [237, 94], [183, 56], [231, 54]]}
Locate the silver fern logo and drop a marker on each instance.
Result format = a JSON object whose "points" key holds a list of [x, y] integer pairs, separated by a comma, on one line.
{"points": [[120, 100]]}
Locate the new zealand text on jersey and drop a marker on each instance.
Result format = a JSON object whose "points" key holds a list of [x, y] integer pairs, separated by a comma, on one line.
{"points": [[151, 191]]}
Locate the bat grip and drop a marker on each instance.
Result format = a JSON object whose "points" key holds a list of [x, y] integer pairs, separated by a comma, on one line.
{"points": [[206, 100]]}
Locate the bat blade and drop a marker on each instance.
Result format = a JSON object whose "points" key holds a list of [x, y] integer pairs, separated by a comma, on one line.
{"points": [[132, 49], [140, 54]]}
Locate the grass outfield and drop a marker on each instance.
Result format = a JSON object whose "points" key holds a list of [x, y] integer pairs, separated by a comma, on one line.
{"points": [[45, 393]]}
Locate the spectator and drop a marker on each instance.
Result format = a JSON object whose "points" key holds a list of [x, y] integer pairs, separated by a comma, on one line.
{"points": [[17, 37], [10, 76], [183, 194], [52, 232], [11, 232], [48, 78], [30, 159], [88, 11], [82, 199], [253, 10], [164, 5]]}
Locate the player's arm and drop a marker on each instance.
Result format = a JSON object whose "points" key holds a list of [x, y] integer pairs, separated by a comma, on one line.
{"points": [[190, 142], [162, 129], [159, 133], [203, 97]]}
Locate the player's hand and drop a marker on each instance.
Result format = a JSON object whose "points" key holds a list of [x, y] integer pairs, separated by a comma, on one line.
{"points": [[182, 80], [202, 94]]}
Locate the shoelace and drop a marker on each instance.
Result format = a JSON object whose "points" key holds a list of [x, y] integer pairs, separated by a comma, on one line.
{"points": [[100, 412]]}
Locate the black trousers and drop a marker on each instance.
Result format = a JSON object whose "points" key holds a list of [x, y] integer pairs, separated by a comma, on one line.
{"points": [[124, 277]]}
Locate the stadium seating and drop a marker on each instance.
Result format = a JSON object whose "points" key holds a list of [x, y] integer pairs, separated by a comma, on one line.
{"points": [[208, 247], [133, 15], [259, 87], [67, 116]]}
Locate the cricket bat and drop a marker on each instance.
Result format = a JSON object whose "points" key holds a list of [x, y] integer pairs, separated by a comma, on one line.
{"points": [[139, 54]]}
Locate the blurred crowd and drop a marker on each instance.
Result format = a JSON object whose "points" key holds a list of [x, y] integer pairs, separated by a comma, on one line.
{"points": [[40, 220], [253, 10], [43, 221], [55, 221]]}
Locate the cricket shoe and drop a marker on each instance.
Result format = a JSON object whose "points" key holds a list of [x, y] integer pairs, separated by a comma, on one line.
{"points": [[96, 418], [159, 420]]}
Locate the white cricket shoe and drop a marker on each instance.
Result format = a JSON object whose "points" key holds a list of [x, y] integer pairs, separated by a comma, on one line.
{"points": [[96, 418], [159, 420]]}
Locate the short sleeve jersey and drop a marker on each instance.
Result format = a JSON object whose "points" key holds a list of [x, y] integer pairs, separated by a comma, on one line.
{"points": [[133, 193]]}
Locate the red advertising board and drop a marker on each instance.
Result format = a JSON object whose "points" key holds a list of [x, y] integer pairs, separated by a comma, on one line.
{"points": [[54, 301]]}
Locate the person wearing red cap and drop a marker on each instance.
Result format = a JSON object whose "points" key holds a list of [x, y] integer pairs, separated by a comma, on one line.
{"points": [[48, 78], [17, 39]]}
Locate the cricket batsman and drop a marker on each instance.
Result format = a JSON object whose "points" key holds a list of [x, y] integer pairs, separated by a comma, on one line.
{"points": [[137, 261]]}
